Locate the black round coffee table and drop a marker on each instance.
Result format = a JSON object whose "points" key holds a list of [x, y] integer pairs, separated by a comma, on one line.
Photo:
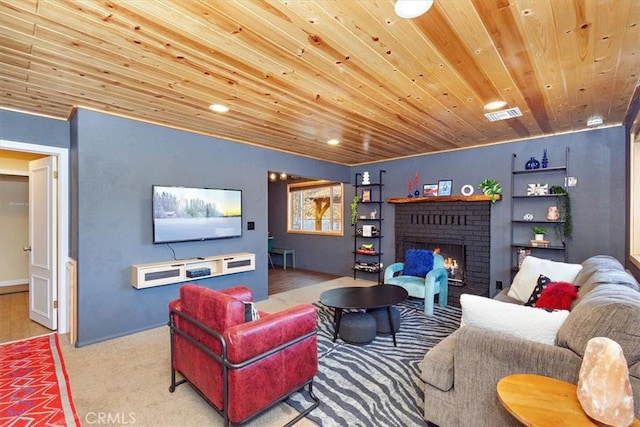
{"points": [[354, 297]]}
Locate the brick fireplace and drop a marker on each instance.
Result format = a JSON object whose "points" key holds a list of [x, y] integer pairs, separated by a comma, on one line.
{"points": [[460, 229]]}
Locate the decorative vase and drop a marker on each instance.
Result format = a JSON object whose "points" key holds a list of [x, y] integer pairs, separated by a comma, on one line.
{"points": [[532, 164], [416, 193], [553, 214], [545, 160]]}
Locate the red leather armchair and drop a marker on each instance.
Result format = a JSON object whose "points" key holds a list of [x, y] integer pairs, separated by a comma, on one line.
{"points": [[241, 367]]}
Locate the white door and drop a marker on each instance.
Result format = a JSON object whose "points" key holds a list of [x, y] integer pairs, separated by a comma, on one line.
{"points": [[43, 210]]}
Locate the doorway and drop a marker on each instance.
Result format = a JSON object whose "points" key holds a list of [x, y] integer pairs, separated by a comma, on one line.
{"points": [[61, 225]]}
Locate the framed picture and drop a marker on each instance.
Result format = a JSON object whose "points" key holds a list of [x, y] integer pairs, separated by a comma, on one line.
{"points": [[366, 195], [430, 190], [444, 187]]}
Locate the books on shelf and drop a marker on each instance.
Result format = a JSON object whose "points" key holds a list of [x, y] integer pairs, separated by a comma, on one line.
{"points": [[539, 243]]}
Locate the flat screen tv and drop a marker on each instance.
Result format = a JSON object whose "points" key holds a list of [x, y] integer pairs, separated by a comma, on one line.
{"points": [[182, 214]]}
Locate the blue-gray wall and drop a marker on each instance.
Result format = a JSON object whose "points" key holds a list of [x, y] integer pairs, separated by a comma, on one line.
{"points": [[597, 158], [117, 161], [34, 129]]}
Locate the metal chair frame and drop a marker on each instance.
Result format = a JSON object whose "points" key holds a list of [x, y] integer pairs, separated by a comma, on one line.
{"points": [[226, 366]]}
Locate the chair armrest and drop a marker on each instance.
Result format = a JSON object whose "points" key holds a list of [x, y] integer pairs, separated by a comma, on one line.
{"points": [[392, 269], [176, 304], [437, 280], [252, 339], [241, 293], [439, 275]]}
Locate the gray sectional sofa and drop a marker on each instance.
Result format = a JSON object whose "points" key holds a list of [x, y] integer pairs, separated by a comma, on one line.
{"points": [[461, 372]]}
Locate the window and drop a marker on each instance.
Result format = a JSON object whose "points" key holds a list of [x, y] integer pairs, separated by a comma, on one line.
{"points": [[634, 199], [315, 207]]}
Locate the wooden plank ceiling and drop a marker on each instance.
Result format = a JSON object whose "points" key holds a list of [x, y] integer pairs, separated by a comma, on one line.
{"points": [[296, 73]]}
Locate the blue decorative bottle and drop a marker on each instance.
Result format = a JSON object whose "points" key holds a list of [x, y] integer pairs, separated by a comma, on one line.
{"points": [[532, 164], [545, 160]]}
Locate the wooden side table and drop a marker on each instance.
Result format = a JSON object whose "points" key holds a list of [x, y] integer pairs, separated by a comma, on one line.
{"points": [[536, 400]]}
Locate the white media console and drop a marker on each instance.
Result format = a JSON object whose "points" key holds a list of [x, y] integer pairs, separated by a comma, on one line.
{"points": [[169, 272]]}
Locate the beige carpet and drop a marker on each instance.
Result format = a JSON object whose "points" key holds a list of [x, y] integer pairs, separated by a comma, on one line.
{"points": [[125, 381]]}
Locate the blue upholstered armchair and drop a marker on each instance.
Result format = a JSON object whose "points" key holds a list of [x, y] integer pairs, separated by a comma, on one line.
{"points": [[423, 276]]}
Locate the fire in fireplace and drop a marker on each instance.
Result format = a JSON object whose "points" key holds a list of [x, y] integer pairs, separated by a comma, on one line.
{"points": [[453, 262]]}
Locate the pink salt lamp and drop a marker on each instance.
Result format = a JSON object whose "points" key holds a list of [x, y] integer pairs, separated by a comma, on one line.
{"points": [[604, 390]]}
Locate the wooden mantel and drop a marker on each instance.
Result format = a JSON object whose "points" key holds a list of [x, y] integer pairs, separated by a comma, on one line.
{"points": [[431, 199]]}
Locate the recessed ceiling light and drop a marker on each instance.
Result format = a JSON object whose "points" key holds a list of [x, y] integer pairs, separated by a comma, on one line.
{"points": [[494, 105], [594, 121], [219, 108], [333, 141], [412, 8]]}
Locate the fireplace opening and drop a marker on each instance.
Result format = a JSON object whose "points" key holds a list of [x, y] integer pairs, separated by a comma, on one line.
{"points": [[453, 262], [454, 259]]}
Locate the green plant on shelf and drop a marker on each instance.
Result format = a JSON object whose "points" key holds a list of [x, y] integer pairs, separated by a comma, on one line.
{"points": [[539, 230], [564, 228], [354, 209], [491, 187]]}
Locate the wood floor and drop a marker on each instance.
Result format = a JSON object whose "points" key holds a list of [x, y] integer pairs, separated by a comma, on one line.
{"points": [[14, 307], [281, 280], [14, 318]]}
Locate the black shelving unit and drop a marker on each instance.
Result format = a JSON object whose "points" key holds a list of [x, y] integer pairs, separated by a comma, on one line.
{"points": [[536, 205], [368, 230]]}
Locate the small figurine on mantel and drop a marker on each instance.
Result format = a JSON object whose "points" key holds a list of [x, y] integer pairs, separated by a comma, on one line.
{"points": [[373, 214]]}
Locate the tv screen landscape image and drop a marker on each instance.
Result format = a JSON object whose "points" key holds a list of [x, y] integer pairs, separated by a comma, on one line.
{"points": [[183, 214]]}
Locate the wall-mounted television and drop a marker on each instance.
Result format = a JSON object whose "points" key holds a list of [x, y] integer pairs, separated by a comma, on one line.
{"points": [[182, 214]]}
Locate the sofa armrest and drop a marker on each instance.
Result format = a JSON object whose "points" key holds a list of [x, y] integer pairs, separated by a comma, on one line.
{"points": [[483, 357], [252, 339], [392, 270]]}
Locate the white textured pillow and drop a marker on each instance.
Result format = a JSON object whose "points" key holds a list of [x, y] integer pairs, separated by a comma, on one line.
{"points": [[532, 267], [530, 323]]}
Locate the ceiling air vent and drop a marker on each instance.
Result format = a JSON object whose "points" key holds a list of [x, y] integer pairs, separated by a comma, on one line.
{"points": [[503, 114]]}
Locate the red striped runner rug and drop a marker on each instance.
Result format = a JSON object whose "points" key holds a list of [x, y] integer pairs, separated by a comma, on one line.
{"points": [[34, 386]]}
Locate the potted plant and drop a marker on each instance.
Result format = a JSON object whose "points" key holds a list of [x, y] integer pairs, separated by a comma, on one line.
{"points": [[354, 209], [491, 187], [539, 232], [564, 228]]}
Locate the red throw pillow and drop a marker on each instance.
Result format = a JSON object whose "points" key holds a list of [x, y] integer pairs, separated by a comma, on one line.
{"points": [[557, 296]]}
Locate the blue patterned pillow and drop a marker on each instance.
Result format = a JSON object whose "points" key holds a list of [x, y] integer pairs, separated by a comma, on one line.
{"points": [[417, 262]]}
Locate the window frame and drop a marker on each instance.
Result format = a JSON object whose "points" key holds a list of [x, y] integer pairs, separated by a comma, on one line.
{"points": [[308, 185], [634, 189]]}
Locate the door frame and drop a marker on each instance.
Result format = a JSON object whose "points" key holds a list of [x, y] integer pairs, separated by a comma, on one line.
{"points": [[62, 224]]}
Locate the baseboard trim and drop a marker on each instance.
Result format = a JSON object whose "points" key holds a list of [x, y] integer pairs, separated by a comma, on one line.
{"points": [[14, 282]]}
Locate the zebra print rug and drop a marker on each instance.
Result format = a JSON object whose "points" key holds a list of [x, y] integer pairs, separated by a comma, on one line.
{"points": [[375, 384]]}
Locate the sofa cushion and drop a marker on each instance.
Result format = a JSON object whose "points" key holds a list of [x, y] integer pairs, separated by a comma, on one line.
{"points": [[610, 311], [543, 282], [530, 323], [436, 368], [504, 297], [593, 264], [414, 285], [601, 277], [557, 296], [417, 262], [532, 267]]}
